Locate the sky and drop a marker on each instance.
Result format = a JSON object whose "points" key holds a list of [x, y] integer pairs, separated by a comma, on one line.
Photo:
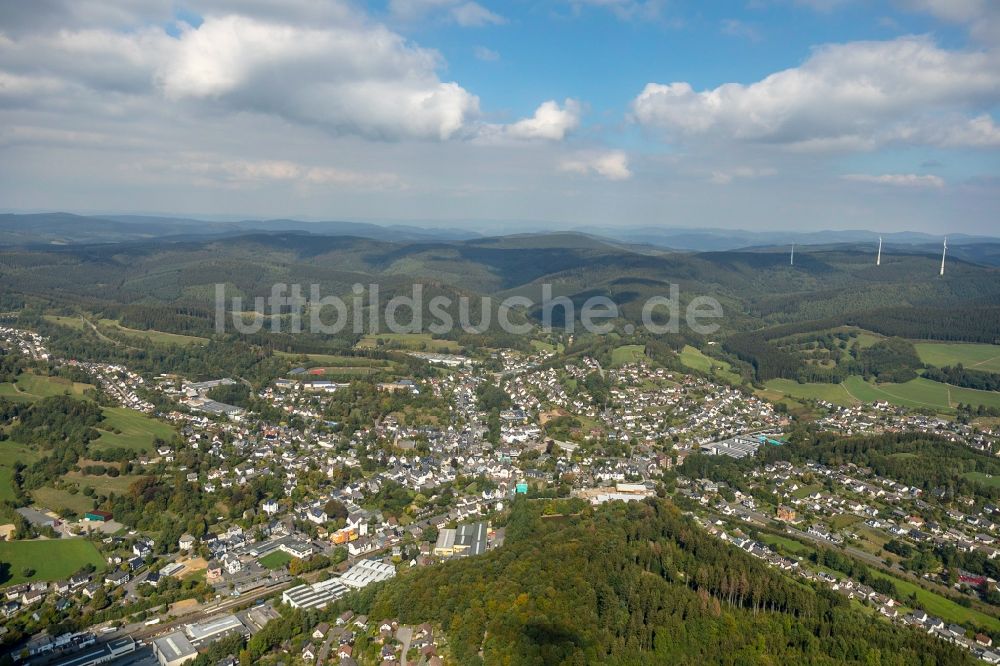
{"points": [[752, 114]]}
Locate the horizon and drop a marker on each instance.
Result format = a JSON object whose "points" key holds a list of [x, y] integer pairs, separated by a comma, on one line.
{"points": [[779, 116]]}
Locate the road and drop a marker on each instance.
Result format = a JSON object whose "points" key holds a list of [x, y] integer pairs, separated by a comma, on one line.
{"points": [[404, 635]]}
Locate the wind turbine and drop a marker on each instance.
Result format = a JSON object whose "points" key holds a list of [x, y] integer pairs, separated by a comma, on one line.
{"points": [[878, 259], [944, 251], [791, 260]]}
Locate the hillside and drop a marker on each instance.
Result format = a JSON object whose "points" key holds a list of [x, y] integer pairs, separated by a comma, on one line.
{"points": [[637, 583]]}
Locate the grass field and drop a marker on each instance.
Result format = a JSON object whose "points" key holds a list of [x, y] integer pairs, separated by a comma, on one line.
{"points": [[984, 479], [627, 354], [155, 337], [137, 431], [835, 393], [788, 545], [942, 607], [917, 393], [411, 341], [972, 356], [10, 453], [275, 560], [58, 499], [52, 559], [69, 322], [696, 360], [35, 387]]}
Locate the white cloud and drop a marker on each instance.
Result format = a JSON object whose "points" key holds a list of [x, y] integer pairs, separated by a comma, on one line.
{"points": [[898, 180], [982, 17], [844, 95], [612, 165], [726, 176], [550, 121], [485, 54], [737, 28], [464, 13], [366, 81], [474, 15], [212, 171]]}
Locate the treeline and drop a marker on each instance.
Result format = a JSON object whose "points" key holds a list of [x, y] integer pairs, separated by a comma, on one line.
{"points": [[637, 583], [889, 360], [931, 462], [962, 376]]}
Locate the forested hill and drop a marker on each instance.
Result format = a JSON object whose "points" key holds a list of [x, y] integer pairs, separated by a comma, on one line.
{"points": [[637, 584]]}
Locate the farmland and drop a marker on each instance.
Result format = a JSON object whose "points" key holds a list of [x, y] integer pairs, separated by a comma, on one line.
{"points": [[972, 356], [134, 429], [411, 341], [627, 354], [51, 559], [697, 360], [34, 387]]}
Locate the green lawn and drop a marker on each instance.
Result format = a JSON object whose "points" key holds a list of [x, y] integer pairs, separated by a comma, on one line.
{"points": [[984, 479], [155, 337], [697, 360], [412, 341], [834, 393], [137, 431], [30, 386], [627, 354], [973, 356], [57, 499], [916, 393], [921, 392], [275, 560], [942, 607], [788, 545], [52, 559], [11, 452]]}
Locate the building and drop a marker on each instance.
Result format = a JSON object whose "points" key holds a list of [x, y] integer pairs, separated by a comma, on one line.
{"points": [[317, 595], [209, 632], [465, 540], [270, 506], [97, 516], [173, 649], [102, 654], [787, 514], [367, 572]]}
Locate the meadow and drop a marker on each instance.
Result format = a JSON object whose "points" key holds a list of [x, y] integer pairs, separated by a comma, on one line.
{"points": [[136, 431], [972, 356], [51, 559], [697, 360], [411, 341], [627, 354]]}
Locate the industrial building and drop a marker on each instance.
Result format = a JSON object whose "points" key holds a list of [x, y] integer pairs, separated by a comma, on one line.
{"points": [[367, 572], [174, 649], [462, 541], [317, 595], [209, 632], [101, 654]]}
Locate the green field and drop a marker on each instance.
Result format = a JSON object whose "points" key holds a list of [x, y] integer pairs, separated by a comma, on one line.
{"points": [[69, 322], [57, 499], [52, 559], [917, 393], [411, 341], [984, 479], [137, 431], [30, 386], [697, 360], [11, 452], [627, 354], [942, 607], [835, 393], [155, 337], [972, 356], [275, 560], [921, 392]]}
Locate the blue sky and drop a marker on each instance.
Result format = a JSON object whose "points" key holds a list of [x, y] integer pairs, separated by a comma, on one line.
{"points": [[755, 114]]}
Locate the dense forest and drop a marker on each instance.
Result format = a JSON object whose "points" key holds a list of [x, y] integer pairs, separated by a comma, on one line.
{"points": [[636, 583]]}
